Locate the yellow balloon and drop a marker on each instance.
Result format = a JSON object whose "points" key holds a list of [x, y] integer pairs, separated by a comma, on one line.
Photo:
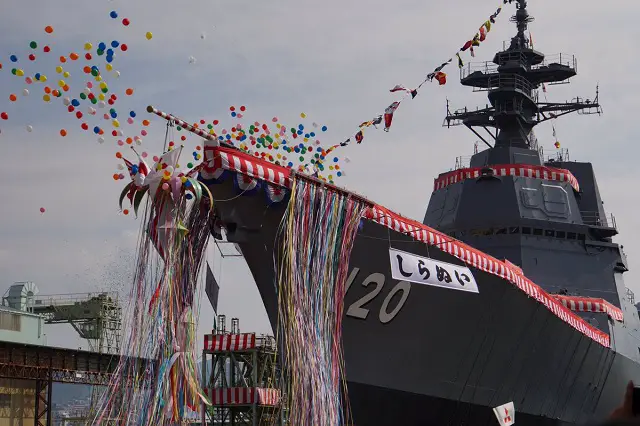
{"points": [[19, 73], [46, 98], [303, 115], [109, 67], [279, 156], [98, 78], [58, 69], [277, 135], [149, 35], [116, 123], [276, 144], [88, 46], [43, 78], [61, 83], [101, 96], [306, 139], [330, 167], [103, 85], [278, 125], [66, 74]]}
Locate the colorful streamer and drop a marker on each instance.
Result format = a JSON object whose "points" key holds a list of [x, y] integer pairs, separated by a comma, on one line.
{"points": [[437, 74], [162, 328], [316, 237]]}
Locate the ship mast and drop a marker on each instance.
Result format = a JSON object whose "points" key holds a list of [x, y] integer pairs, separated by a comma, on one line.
{"points": [[512, 80]]}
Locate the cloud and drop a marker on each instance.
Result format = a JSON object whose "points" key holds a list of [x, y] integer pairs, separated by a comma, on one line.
{"points": [[334, 60]]}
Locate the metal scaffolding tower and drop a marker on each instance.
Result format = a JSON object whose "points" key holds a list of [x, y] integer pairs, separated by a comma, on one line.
{"points": [[241, 378]]}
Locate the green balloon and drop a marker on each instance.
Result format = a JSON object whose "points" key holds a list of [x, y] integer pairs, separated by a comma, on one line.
{"points": [[83, 96], [14, 71], [33, 45], [94, 101], [301, 158], [100, 52], [105, 90], [178, 128], [190, 165]]}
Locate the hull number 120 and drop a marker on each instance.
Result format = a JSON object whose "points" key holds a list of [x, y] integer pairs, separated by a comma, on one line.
{"points": [[375, 282]]}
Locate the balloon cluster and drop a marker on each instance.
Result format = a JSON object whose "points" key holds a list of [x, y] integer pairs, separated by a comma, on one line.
{"points": [[81, 96], [298, 147]]}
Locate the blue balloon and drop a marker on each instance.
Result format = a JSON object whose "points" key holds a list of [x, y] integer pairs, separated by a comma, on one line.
{"points": [[319, 149], [300, 127], [115, 44], [13, 58], [96, 130], [188, 196], [296, 149], [221, 138], [75, 102], [109, 52], [290, 164], [312, 134], [114, 114], [299, 132], [339, 174], [113, 14], [102, 46], [37, 76], [228, 136], [233, 113], [324, 128], [306, 135], [335, 159], [109, 59], [132, 114]]}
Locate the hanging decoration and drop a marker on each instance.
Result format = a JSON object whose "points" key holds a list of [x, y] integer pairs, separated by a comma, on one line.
{"points": [[437, 74], [317, 235], [176, 223]]}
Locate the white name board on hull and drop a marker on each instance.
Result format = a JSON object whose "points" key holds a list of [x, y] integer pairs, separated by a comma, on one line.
{"points": [[423, 270]]}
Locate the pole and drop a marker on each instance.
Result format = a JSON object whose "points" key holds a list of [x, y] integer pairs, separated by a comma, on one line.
{"points": [[184, 124]]}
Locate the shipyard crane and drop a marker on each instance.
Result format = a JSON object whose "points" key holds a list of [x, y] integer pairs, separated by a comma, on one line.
{"points": [[96, 317]]}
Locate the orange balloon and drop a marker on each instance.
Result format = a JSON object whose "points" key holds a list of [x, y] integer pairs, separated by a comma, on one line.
{"points": [[145, 122], [129, 92], [125, 211], [47, 89], [63, 133], [63, 59], [73, 56], [55, 93], [115, 176], [86, 69], [48, 29], [13, 97], [129, 141], [118, 155], [101, 132], [65, 87]]}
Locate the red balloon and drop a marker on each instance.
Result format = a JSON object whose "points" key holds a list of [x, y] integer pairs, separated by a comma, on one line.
{"points": [[125, 22], [4, 116], [46, 49], [42, 210]]}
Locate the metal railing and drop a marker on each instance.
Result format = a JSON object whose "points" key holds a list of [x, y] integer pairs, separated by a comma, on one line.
{"points": [[74, 298], [596, 219], [484, 67], [564, 59], [463, 162]]}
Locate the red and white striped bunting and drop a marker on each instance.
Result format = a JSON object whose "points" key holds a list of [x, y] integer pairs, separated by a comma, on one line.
{"points": [[246, 164], [229, 342], [524, 170], [243, 396], [590, 304]]}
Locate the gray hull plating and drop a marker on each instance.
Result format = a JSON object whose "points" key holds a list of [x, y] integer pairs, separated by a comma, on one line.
{"points": [[445, 356]]}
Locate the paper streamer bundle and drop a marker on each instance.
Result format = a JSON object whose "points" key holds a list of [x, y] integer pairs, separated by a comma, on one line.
{"points": [[316, 238], [161, 328]]}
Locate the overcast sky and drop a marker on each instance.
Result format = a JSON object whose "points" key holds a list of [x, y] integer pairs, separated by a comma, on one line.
{"points": [[333, 60]]}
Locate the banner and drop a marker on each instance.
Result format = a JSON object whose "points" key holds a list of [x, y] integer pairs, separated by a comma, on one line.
{"points": [[423, 270], [506, 414]]}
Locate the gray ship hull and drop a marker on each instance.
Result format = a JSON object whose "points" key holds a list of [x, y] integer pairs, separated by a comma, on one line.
{"points": [[446, 356]]}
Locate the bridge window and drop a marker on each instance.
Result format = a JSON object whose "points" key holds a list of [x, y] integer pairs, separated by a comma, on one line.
{"points": [[571, 235], [537, 231], [561, 234]]}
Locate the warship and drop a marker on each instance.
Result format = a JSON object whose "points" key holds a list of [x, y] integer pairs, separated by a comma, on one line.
{"points": [[511, 289]]}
